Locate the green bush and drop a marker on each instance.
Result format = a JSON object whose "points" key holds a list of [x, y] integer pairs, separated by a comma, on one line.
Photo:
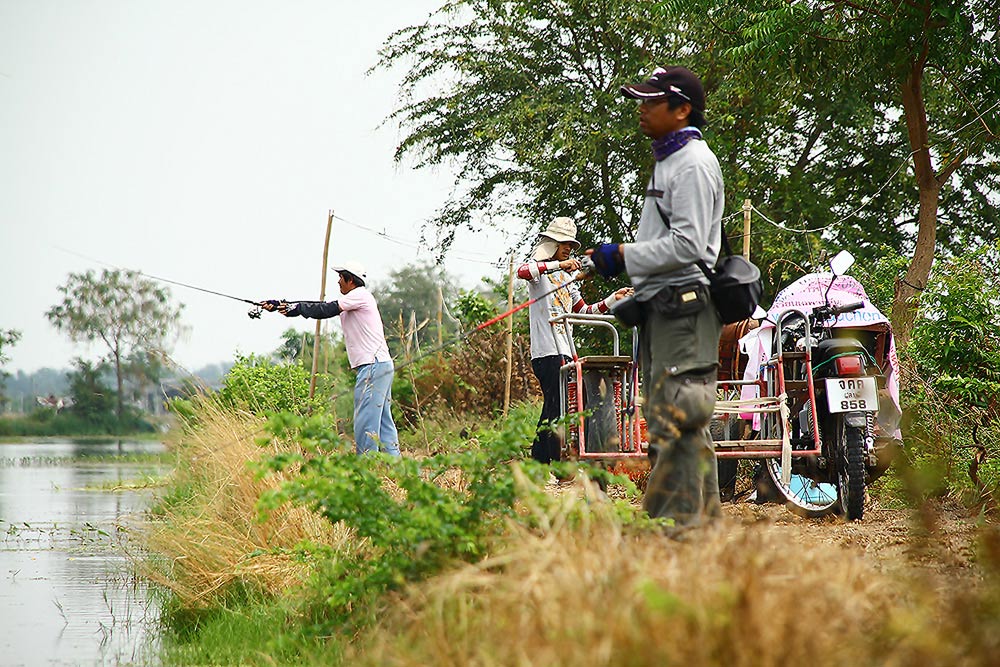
{"points": [[412, 517], [410, 534], [258, 385], [958, 331], [952, 398]]}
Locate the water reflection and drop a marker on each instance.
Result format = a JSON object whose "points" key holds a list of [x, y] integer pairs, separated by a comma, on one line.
{"points": [[66, 589]]}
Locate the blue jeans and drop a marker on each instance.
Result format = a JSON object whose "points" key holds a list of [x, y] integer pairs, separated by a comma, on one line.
{"points": [[373, 425]]}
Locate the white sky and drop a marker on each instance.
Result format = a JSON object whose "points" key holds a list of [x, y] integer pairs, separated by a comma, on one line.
{"points": [[203, 142]]}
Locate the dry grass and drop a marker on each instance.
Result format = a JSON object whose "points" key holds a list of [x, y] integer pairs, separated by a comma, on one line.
{"points": [[214, 539], [593, 593], [584, 588]]}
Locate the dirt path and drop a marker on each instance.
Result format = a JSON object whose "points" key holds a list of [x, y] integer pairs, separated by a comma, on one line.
{"points": [[940, 542]]}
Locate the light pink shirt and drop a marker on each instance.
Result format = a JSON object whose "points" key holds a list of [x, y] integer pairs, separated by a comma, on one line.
{"points": [[361, 322]]}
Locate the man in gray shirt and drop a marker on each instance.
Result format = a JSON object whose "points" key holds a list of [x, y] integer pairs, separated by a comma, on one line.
{"points": [[679, 330]]}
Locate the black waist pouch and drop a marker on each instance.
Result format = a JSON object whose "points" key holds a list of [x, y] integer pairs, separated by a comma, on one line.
{"points": [[629, 311], [675, 301]]}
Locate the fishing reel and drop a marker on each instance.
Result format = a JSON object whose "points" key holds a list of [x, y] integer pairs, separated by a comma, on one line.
{"points": [[254, 313]]}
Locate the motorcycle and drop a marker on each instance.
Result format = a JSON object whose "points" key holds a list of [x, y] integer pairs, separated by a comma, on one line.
{"points": [[826, 353]]}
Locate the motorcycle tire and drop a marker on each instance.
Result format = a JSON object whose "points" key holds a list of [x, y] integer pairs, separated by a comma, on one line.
{"points": [[851, 471]]}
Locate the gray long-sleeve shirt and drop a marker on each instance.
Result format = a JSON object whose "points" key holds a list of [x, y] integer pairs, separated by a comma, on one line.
{"points": [[688, 187]]}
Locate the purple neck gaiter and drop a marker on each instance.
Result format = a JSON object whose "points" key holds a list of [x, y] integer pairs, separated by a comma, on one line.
{"points": [[670, 143]]}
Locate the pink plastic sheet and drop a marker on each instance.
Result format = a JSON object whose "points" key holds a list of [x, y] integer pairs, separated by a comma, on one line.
{"points": [[803, 294]]}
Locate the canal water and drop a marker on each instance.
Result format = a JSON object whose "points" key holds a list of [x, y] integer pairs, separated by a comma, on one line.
{"points": [[68, 595]]}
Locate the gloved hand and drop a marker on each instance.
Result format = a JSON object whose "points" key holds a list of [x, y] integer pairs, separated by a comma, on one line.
{"points": [[270, 305], [280, 305], [608, 260]]}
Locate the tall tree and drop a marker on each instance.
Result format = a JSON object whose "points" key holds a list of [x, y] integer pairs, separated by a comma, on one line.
{"points": [[8, 338], [127, 313], [925, 74], [806, 115], [522, 96]]}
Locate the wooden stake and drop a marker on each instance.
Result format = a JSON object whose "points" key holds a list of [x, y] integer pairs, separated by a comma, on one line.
{"points": [[746, 228], [440, 314], [510, 336], [322, 297]]}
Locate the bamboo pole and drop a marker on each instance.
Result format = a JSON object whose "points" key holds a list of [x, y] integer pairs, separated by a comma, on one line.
{"points": [[746, 228], [440, 315], [510, 336], [322, 297]]}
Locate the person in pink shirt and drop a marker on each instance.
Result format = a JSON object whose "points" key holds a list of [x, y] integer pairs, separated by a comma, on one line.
{"points": [[367, 352]]}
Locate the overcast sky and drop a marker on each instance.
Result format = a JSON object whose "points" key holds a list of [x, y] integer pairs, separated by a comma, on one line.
{"points": [[203, 142]]}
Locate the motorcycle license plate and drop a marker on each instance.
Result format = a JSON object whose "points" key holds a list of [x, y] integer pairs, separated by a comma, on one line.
{"points": [[850, 394]]}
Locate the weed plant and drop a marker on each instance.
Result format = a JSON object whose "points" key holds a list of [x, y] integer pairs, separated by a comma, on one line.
{"points": [[594, 592], [412, 517]]}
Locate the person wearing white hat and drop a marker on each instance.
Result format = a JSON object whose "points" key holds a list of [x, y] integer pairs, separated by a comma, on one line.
{"points": [[367, 352], [549, 267]]}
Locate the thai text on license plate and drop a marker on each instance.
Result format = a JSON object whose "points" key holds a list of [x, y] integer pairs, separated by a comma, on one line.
{"points": [[849, 394]]}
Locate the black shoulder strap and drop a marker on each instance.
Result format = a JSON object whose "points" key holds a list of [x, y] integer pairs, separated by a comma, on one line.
{"points": [[666, 221], [725, 247], [656, 194]]}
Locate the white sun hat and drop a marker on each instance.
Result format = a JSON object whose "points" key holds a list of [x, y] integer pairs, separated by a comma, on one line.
{"points": [[560, 230], [356, 269]]}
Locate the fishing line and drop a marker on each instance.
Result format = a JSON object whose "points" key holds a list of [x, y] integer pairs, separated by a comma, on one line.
{"points": [[587, 270], [253, 314]]}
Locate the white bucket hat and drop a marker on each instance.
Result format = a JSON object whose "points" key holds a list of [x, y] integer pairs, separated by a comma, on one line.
{"points": [[356, 269], [560, 230]]}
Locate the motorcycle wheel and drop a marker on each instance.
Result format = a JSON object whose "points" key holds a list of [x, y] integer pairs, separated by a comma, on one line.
{"points": [[802, 495], [851, 470]]}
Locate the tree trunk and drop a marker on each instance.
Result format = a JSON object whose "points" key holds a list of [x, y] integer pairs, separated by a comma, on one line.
{"points": [[907, 293], [118, 377]]}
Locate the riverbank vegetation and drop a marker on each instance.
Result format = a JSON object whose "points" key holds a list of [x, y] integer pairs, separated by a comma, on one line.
{"points": [[275, 544]]}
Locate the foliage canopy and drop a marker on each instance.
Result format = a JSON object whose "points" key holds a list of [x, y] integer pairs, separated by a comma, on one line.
{"points": [[844, 124], [129, 315]]}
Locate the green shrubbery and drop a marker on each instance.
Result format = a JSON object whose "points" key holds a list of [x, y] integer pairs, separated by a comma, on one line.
{"points": [[45, 422], [258, 385], [951, 377], [413, 516]]}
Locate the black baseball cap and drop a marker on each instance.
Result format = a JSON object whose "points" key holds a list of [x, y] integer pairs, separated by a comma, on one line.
{"points": [[677, 81]]}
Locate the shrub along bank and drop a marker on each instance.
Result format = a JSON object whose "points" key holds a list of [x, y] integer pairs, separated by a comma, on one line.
{"points": [[280, 525], [278, 545]]}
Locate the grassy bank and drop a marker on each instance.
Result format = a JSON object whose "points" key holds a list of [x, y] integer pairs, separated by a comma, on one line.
{"points": [[460, 555], [46, 423]]}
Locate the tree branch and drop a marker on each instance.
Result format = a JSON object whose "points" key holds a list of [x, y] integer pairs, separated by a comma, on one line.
{"points": [[961, 93], [946, 173], [862, 9], [817, 130]]}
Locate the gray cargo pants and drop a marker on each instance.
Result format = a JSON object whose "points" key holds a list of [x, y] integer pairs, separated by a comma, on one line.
{"points": [[679, 359]]}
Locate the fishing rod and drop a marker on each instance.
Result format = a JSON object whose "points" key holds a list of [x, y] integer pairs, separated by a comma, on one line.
{"points": [[586, 269], [254, 313]]}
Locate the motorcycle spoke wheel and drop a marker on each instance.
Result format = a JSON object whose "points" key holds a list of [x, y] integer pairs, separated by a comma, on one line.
{"points": [[803, 495]]}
